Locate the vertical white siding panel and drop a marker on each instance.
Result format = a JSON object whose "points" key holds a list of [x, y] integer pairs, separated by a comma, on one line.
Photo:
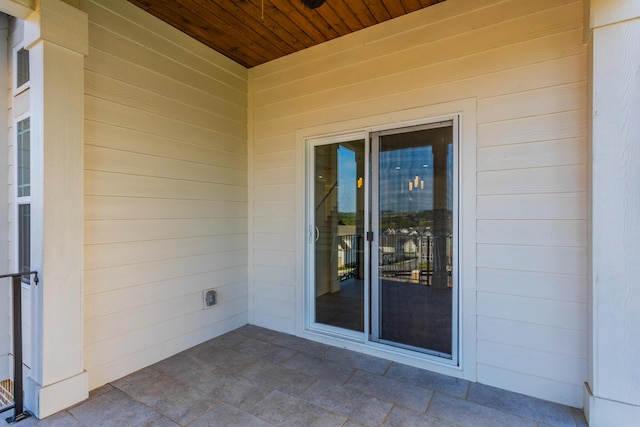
{"points": [[525, 63], [166, 191]]}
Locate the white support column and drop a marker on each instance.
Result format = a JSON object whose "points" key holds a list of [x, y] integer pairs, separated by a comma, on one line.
{"points": [[56, 35], [612, 394]]}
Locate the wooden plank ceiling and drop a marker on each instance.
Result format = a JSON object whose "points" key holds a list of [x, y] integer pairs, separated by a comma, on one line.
{"points": [[237, 29]]}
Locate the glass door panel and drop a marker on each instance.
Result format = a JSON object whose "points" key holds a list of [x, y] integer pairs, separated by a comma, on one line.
{"points": [[338, 218], [414, 196]]}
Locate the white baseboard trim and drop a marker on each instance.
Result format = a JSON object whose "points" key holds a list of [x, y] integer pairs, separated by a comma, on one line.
{"points": [[47, 400]]}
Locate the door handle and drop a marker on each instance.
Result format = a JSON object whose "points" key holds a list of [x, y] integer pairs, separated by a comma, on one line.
{"points": [[317, 234]]}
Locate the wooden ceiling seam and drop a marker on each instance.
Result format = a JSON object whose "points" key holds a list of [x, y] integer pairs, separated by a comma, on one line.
{"points": [[187, 25], [344, 15], [236, 25], [279, 25]]}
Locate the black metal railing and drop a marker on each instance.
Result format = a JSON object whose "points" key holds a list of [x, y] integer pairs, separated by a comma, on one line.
{"points": [[350, 254], [401, 255], [414, 255], [19, 413]]}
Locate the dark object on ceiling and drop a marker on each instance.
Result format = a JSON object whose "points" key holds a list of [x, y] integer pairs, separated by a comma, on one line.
{"points": [[312, 4], [236, 28]]}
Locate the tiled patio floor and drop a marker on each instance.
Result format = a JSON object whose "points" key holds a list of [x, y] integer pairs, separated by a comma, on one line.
{"points": [[257, 377]]}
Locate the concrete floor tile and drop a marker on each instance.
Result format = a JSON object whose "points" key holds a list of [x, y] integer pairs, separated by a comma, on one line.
{"points": [[61, 419], [100, 390], [525, 406], [360, 361], [353, 423], [197, 348], [579, 418], [199, 375], [301, 345], [320, 368], [233, 379], [278, 377], [265, 350], [163, 422], [223, 415], [470, 414], [139, 381], [175, 400], [230, 339], [408, 395], [258, 333], [426, 379], [224, 358], [402, 417], [114, 408], [179, 365], [285, 410], [353, 404], [230, 388]]}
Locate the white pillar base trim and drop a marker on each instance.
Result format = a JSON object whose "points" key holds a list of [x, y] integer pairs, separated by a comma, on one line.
{"points": [[608, 413], [45, 401]]}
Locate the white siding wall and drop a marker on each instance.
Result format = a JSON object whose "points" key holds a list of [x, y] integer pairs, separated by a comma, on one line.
{"points": [[525, 62], [165, 191]]}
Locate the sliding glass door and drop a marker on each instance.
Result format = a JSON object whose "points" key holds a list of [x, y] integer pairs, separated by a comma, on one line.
{"points": [[383, 238], [413, 225]]}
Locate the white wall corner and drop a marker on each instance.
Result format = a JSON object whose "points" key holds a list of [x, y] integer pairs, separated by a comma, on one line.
{"points": [[60, 23], [250, 201], [608, 413], [612, 396]]}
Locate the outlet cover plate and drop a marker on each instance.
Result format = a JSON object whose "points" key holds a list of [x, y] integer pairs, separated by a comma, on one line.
{"points": [[210, 298]]}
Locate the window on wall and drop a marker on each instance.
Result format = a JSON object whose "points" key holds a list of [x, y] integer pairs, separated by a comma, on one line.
{"points": [[23, 196], [22, 69], [24, 237], [24, 158]]}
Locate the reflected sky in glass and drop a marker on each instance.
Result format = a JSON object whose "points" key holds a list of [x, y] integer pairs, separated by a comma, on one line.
{"points": [[399, 189]]}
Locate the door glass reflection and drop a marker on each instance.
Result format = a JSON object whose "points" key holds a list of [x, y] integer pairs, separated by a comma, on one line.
{"points": [[339, 234], [415, 250]]}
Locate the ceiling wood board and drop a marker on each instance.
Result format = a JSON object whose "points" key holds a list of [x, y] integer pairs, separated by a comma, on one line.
{"points": [[236, 29]]}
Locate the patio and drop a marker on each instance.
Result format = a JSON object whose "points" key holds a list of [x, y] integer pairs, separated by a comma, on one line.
{"points": [[257, 377]]}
